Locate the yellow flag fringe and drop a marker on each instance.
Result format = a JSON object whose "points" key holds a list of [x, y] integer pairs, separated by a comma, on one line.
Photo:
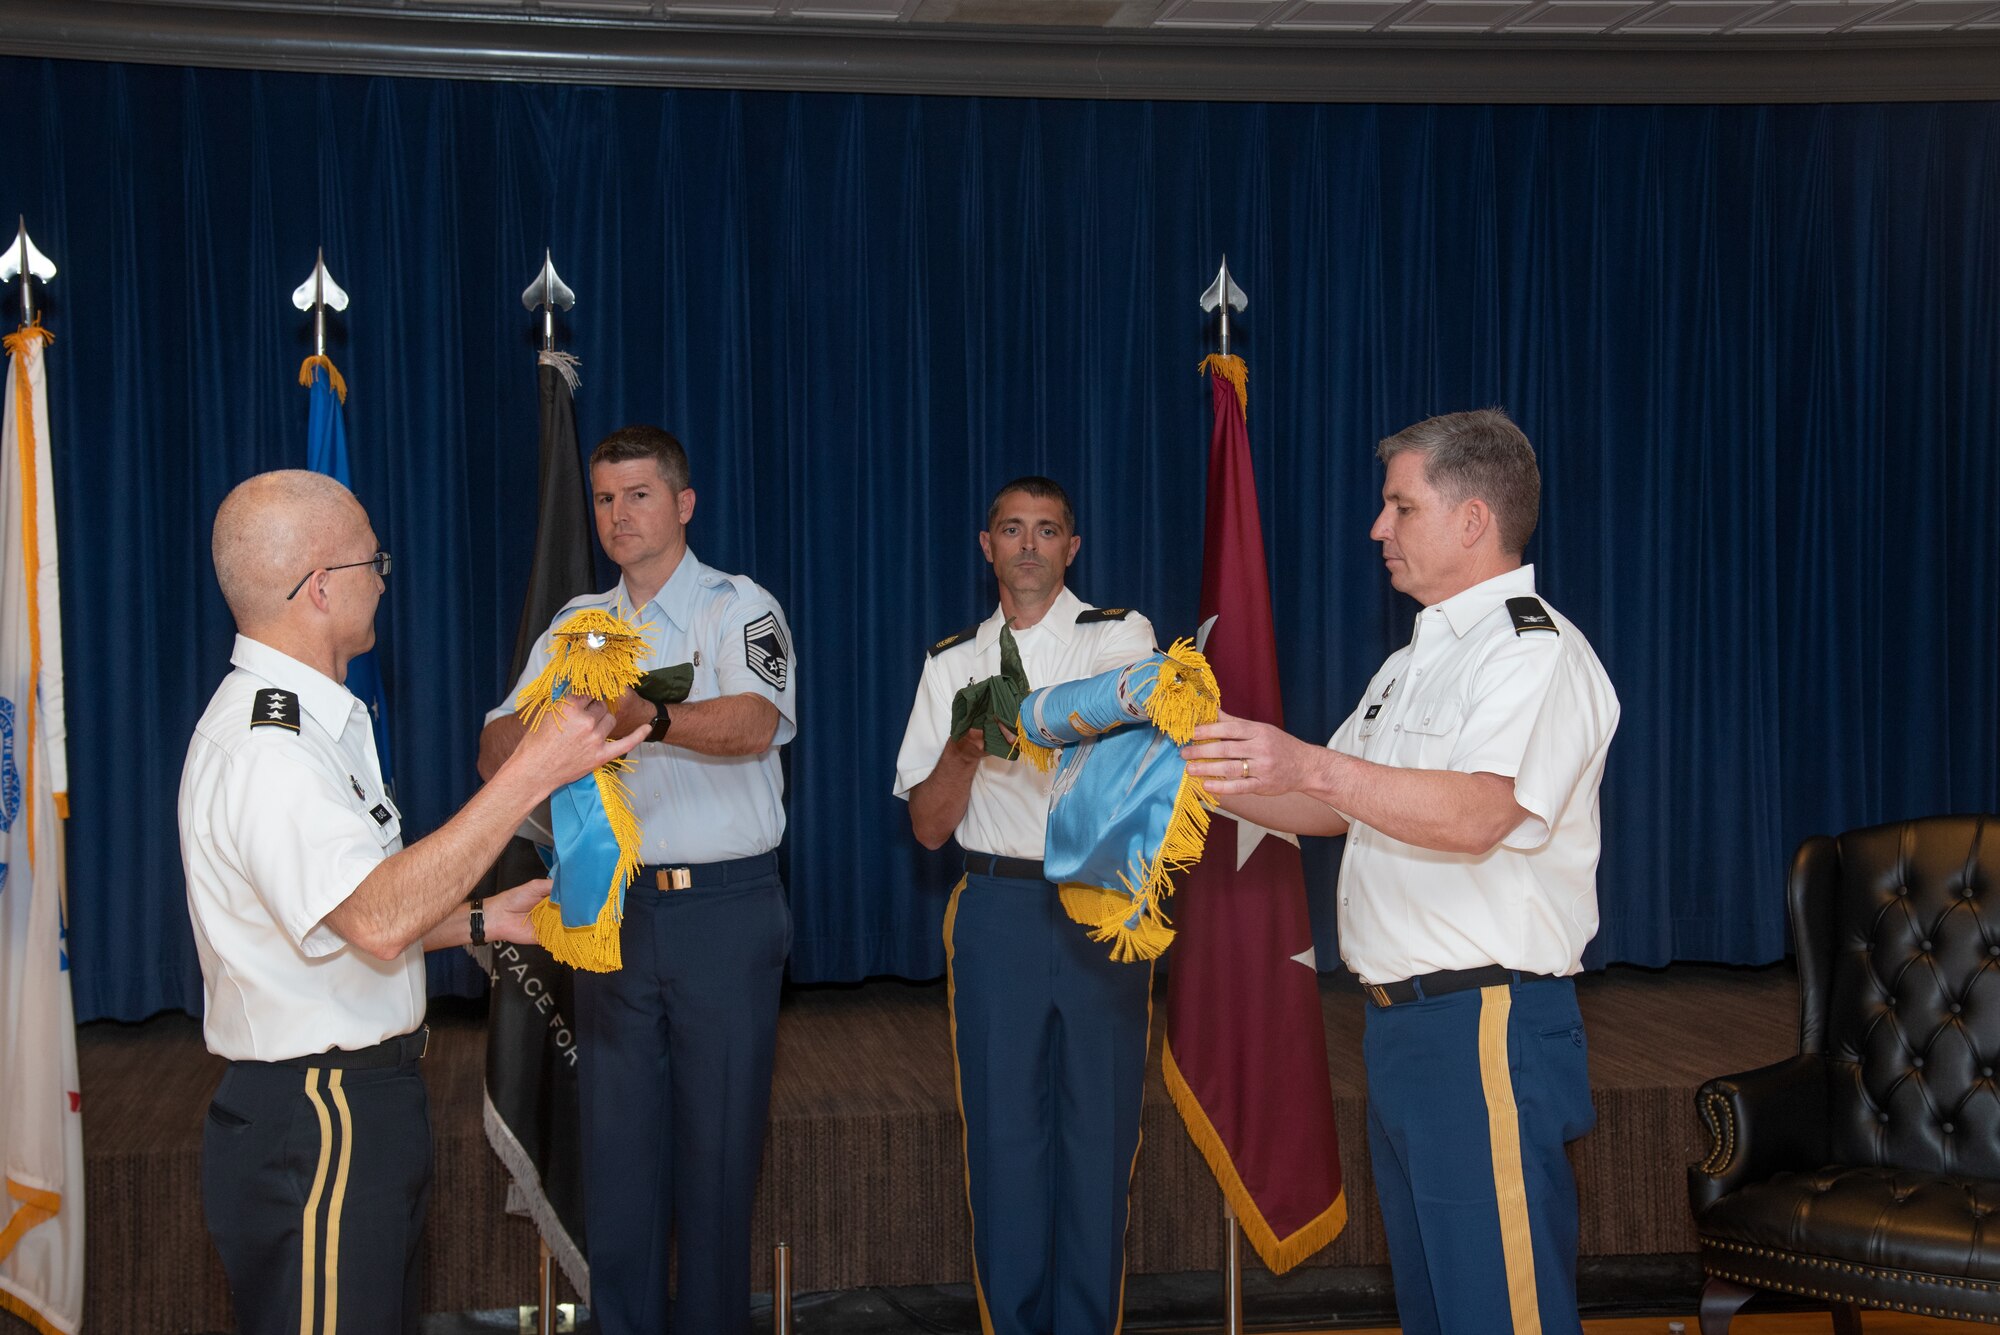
{"points": [[1235, 372], [1278, 1254], [597, 655], [333, 375]]}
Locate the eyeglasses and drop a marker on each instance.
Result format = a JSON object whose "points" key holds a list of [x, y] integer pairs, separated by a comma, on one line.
{"points": [[380, 561]]}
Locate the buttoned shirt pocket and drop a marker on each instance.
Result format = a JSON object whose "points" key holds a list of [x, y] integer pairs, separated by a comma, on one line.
{"points": [[1429, 727]]}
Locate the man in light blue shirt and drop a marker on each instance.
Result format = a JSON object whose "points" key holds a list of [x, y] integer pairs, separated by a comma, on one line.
{"points": [[674, 1062]]}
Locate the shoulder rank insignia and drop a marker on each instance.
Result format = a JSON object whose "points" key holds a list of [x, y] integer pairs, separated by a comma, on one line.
{"points": [[956, 637], [275, 709], [1091, 616], [1530, 615]]}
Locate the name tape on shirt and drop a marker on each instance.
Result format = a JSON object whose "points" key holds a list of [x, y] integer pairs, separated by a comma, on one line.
{"points": [[764, 650], [275, 709]]}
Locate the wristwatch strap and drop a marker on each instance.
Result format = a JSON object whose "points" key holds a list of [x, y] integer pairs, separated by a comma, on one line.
{"points": [[479, 922], [662, 720]]}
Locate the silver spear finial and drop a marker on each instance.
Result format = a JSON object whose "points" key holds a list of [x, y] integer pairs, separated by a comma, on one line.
{"points": [[23, 260], [316, 294], [545, 294], [1223, 293]]}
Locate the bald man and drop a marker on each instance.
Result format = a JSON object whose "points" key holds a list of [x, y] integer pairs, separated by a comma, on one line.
{"points": [[311, 918]]}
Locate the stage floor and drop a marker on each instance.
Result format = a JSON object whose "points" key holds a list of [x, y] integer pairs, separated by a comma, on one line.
{"points": [[865, 1128]]}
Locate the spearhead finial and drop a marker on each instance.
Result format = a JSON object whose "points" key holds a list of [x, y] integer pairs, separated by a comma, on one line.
{"points": [[1223, 294], [21, 260], [546, 294], [318, 293]]}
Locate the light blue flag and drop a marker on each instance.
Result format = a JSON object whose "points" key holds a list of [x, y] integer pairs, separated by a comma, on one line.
{"points": [[1124, 813], [326, 452]]}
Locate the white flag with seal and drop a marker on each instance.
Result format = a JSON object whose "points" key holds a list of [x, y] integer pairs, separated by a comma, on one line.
{"points": [[41, 1126]]}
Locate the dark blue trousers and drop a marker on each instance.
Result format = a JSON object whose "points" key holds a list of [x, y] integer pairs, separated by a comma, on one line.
{"points": [[1050, 1040], [674, 1073], [1471, 1098], [314, 1182]]}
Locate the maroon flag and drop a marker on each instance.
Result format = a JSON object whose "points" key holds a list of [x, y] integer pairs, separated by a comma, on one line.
{"points": [[1246, 1048]]}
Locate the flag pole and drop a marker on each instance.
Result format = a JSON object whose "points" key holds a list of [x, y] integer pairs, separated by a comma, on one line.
{"points": [[544, 294], [23, 259], [317, 294], [1220, 296]]}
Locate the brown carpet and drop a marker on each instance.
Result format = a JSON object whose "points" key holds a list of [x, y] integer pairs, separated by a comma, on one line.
{"points": [[862, 1172]]}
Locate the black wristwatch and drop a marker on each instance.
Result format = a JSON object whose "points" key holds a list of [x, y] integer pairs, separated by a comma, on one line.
{"points": [[478, 922], [662, 720]]}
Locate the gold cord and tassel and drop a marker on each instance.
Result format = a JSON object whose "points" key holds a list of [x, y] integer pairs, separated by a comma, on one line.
{"points": [[333, 375], [594, 654]]}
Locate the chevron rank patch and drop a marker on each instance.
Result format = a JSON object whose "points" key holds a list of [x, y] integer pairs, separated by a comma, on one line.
{"points": [[275, 709], [1529, 615], [764, 650]]}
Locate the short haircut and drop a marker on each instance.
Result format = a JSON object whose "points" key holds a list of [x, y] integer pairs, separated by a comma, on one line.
{"points": [[1042, 488], [273, 528], [1479, 453], [645, 442]]}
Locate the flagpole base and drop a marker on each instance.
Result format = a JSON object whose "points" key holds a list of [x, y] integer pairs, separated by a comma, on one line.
{"points": [[1232, 1272], [545, 1317], [781, 1289]]}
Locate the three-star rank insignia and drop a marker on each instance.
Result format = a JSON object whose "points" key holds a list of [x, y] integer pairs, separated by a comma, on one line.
{"points": [[274, 708], [764, 650], [1530, 616]]}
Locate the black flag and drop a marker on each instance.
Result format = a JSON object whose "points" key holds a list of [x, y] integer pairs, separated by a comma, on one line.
{"points": [[532, 1116]]}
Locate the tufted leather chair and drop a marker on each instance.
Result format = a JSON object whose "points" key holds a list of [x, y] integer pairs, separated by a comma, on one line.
{"points": [[1865, 1172]]}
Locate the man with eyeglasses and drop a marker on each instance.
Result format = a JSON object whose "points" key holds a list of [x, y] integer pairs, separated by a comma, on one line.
{"points": [[311, 918]]}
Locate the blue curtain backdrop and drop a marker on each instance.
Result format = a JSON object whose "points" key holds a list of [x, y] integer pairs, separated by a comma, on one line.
{"points": [[1756, 347]]}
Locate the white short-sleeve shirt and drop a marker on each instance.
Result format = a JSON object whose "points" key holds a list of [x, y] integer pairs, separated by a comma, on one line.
{"points": [[282, 814], [696, 808], [1480, 690], [1009, 810]]}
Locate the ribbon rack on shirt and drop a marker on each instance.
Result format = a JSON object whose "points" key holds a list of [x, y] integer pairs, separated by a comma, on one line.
{"points": [[596, 833], [1124, 813]]}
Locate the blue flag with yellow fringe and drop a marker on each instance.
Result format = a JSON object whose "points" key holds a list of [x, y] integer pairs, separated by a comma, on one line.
{"points": [[1124, 813], [596, 833]]}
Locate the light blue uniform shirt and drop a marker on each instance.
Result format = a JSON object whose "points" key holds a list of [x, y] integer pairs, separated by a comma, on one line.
{"points": [[695, 808]]}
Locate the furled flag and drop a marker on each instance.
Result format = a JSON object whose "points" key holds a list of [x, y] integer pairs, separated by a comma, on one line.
{"points": [[533, 1121], [41, 1124], [326, 452], [1246, 1046], [1124, 813]]}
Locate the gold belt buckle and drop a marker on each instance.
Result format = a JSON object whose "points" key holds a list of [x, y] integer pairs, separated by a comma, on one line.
{"points": [[1378, 994], [674, 878]]}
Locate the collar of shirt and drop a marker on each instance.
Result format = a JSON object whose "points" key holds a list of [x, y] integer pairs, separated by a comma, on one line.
{"points": [[1060, 619], [330, 703], [674, 601], [1468, 608]]}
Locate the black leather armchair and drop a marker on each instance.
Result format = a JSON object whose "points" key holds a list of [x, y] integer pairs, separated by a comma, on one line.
{"points": [[1865, 1172]]}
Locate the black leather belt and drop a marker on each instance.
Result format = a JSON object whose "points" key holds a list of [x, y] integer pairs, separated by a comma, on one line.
{"points": [[389, 1052], [1447, 981], [705, 875], [992, 864]]}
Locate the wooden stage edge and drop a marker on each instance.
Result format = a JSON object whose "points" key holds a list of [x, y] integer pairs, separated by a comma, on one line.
{"points": [[862, 1168]]}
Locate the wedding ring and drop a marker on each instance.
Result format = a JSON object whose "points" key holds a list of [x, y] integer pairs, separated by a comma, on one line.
{"points": [[1246, 767]]}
